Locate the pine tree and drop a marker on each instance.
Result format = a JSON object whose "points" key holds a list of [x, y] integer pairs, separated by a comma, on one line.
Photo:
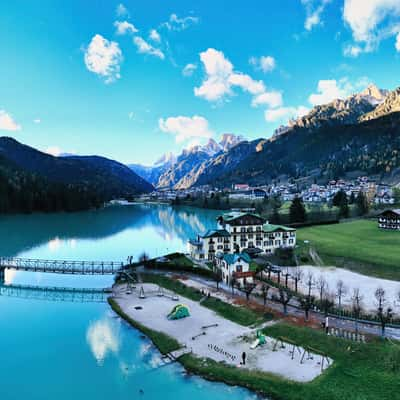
{"points": [[297, 212], [362, 204]]}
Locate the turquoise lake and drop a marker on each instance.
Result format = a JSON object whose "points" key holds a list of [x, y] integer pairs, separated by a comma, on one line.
{"points": [[51, 348]]}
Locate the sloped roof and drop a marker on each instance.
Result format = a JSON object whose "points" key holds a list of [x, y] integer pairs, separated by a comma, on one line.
{"points": [[394, 210], [215, 233], [269, 228], [232, 258], [237, 214]]}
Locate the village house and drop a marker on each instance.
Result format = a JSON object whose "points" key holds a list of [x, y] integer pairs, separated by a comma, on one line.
{"points": [[389, 219], [240, 232], [252, 194], [235, 268]]}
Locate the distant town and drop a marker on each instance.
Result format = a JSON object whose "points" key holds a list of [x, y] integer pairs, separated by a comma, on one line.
{"points": [[376, 192]]}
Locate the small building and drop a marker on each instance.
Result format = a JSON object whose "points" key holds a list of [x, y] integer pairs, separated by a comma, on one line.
{"points": [[252, 194], [241, 186], [389, 219], [235, 267]]}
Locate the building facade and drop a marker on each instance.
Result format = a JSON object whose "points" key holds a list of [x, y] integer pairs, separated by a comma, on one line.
{"points": [[240, 232], [389, 219], [235, 268]]}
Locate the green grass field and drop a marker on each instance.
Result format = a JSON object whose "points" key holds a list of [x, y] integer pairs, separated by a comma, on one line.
{"points": [[358, 245]]}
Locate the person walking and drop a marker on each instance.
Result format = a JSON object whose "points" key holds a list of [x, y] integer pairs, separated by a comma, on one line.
{"points": [[327, 325], [244, 358]]}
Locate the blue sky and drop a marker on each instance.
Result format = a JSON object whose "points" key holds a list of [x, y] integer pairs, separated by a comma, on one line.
{"points": [[92, 77]]}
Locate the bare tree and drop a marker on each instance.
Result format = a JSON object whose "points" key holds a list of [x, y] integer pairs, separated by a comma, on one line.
{"points": [[297, 275], [233, 284], [308, 301], [307, 304], [247, 288], [341, 290], [309, 283], [384, 312], [321, 286], [357, 305], [264, 291], [327, 302], [286, 275], [217, 276], [284, 298]]}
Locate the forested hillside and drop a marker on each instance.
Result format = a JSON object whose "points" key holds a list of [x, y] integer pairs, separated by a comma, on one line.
{"points": [[21, 191]]}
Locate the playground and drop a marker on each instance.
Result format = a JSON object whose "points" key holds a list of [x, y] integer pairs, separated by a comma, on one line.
{"points": [[208, 335]]}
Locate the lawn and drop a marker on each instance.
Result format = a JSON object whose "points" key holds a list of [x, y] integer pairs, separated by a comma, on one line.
{"points": [[360, 371], [358, 245]]}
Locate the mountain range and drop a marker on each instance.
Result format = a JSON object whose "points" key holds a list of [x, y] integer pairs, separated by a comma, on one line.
{"points": [[172, 172], [355, 135], [107, 178]]}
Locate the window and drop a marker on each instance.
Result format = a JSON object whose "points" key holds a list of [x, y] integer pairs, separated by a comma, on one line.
{"points": [[220, 239], [239, 268]]}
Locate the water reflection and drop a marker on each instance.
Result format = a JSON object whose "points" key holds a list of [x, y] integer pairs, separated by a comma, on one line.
{"points": [[103, 338], [110, 234]]}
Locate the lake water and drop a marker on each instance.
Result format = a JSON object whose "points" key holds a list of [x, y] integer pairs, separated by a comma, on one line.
{"points": [[54, 349]]}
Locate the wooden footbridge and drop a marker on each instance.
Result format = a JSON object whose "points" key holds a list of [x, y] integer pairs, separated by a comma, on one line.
{"points": [[61, 267]]}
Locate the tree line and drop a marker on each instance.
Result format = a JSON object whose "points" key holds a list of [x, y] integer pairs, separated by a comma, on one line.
{"points": [[23, 192]]}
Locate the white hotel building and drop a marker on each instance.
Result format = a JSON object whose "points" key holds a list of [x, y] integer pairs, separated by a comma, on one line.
{"points": [[239, 232]]}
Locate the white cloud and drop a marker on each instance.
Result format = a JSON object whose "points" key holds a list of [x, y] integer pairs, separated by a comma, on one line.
{"points": [[352, 50], [314, 10], [220, 78], [371, 21], [179, 24], [328, 90], [271, 99], [146, 48], [103, 57], [246, 83], [155, 36], [264, 63], [37, 121], [124, 27], [121, 11], [102, 338], [189, 69], [185, 128], [285, 113], [398, 42], [332, 89], [7, 122]]}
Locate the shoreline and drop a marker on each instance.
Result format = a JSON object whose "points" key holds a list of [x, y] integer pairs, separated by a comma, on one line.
{"points": [[187, 361]]}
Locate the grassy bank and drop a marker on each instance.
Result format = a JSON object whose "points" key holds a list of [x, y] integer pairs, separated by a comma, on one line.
{"points": [[358, 245], [239, 314]]}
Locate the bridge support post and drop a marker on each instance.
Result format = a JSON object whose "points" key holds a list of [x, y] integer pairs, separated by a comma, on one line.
{"points": [[2, 275]]}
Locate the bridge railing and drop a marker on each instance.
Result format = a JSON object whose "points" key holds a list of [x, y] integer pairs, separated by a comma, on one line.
{"points": [[62, 266]]}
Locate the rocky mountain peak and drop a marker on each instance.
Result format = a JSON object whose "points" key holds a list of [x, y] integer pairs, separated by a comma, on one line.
{"points": [[389, 105], [229, 140]]}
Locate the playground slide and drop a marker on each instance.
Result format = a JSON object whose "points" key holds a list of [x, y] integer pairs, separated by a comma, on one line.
{"points": [[255, 344]]}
